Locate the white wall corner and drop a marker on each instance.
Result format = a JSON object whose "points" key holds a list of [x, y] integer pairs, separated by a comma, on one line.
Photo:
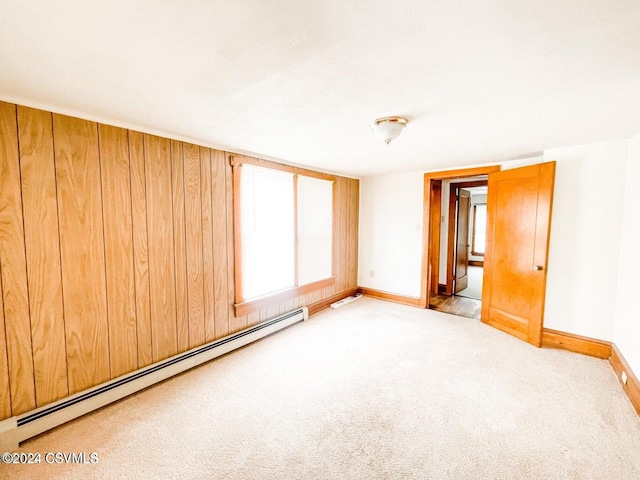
{"points": [[586, 228], [626, 333], [391, 210]]}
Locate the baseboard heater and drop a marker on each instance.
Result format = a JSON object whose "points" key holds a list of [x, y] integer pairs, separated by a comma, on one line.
{"points": [[17, 429]]}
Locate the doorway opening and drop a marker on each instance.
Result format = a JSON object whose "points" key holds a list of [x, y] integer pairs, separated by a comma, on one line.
{"points": [[456, 219], [463, 232], [518, 217]]}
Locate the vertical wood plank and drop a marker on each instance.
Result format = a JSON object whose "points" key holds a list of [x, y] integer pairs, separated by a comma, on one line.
{"points": [[353, 237], [140, 248], [5, 388], [253, 318], [179, 241], [221, 284], [161, 252], [207, 244], [82, 251], [42, 244], [118, 238], [13, 267], [193, 225]]}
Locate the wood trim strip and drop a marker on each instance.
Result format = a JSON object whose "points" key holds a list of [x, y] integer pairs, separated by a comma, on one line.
{"points": [[432, 194], [476, 263], [392, 297], [236, 160], [632, 387], [251, 306], [296, 237], [576, 343], [237, 231], [451, 239], [461, 173], [323, 304], [220, 259]]}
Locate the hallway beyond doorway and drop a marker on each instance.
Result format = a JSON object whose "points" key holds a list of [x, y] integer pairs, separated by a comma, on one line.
{"points": [[474, 286]]}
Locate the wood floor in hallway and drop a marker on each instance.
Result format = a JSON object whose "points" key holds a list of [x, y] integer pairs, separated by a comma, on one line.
{"points": [[465, 307]]}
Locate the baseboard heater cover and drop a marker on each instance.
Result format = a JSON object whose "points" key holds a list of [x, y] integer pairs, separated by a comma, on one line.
{"points": [[345, 301], [17, 429]]}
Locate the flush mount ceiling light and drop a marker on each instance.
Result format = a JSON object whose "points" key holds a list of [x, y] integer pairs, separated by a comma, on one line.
{"points": [[388, 128]]}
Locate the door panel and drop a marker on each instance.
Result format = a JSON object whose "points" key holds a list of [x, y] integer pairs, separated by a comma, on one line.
{"points": [[462, 238], [515, 273]]}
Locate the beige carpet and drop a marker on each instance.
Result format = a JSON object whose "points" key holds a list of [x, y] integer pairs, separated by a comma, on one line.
{"points": [[373, 390]]}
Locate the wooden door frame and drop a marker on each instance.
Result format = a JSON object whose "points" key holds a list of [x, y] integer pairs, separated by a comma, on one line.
{"points": [[451, 234], [432, 196]]}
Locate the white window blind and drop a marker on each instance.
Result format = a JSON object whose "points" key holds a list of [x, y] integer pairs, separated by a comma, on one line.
{"points": [[267, 231], [272, 204], [315, 229]]}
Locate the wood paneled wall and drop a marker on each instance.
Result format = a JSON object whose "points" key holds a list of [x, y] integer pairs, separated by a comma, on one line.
{"points": [[116, 251]]}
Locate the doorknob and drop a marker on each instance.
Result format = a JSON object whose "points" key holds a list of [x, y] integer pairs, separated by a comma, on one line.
{"points": [[538, 267]]}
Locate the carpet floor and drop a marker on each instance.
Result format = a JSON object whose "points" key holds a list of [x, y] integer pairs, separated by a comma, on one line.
{"points": [[373, 390]]}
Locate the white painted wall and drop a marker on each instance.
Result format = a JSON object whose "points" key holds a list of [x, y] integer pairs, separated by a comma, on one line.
{"points": [[585, 236], [586, 228], [626, 333], [391, 233]]}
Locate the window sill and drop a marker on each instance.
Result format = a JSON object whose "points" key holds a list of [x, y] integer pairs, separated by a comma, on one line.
{"points": [[250, 306]]}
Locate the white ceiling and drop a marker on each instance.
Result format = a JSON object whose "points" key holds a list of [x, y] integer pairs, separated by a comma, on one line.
{"points": [[300, 81]]}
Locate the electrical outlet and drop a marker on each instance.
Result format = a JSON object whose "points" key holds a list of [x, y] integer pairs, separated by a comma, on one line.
{"points": [[623, 377]]}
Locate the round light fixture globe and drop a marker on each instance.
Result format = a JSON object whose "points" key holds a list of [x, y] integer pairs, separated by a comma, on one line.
{"points": [[388, 128]]}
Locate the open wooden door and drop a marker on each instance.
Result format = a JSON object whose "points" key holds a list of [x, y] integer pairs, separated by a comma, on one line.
{"points": [[515, 263], [462, 240]]}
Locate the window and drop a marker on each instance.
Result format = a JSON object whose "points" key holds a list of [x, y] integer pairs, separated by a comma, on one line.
{"points": [[284, 232], [479, 229]]}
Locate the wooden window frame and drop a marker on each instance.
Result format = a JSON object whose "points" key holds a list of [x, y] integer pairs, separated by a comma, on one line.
{"points": [[245, 306], [473, 234]]}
